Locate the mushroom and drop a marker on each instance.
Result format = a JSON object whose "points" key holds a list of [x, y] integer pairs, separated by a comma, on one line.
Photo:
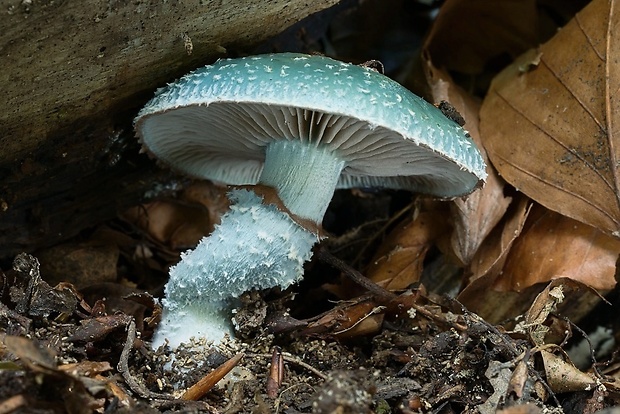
{"points": [[287, 130]]}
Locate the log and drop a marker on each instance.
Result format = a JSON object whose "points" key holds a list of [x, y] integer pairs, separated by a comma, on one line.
{"points": [[73, 75]]}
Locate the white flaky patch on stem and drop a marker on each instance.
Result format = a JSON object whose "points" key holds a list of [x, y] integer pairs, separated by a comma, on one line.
{"points": [[256, 246]]}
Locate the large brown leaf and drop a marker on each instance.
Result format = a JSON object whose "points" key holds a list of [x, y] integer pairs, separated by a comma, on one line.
{"points": [[533, 246], [552, 246], [550, 121]]}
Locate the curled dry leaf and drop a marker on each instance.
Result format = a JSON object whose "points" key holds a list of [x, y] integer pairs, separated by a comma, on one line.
{"points": [[34, 297], [562, 376], [550, 122], [472, 217], [398, 262], [520, 255], [537, 323], [182, 222], [488, 263]]}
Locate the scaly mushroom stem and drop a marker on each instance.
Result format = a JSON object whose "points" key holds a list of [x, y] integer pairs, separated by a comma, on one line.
{"points": [[304, 174], [256, 246]]}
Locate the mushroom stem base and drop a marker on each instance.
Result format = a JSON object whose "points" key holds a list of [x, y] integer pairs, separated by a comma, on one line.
{"points": [[203, 320]]}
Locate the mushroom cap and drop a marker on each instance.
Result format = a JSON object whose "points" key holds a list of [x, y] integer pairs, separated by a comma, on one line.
{"points": [[216, 121]]}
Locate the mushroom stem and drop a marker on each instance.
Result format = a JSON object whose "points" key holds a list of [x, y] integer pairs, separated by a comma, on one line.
{"points": [[304, 174], [256, 246]]}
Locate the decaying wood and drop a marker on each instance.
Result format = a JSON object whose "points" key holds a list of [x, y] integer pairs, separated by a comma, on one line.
{"points": [[73, 76]]}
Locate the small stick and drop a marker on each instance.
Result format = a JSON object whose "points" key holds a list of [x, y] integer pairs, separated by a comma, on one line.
{"points": [[204, 385], [123, 367], [276, 373], [12, 404], [293, 359], [356, 276]]}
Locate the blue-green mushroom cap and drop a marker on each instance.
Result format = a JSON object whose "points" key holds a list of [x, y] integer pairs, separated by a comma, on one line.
{"points": [[216, 122]]}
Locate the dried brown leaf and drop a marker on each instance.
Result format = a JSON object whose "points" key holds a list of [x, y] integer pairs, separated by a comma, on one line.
{"points": [[182, 222], [472, 217], [519, 379], [489, 261], [537, 323], [549, 247], [398, 262], [490, 258], [552, 246], [562, 376], [550, 121]]}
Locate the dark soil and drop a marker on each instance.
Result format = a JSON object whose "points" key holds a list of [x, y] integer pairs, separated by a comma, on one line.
{"points": [[61, 354]]}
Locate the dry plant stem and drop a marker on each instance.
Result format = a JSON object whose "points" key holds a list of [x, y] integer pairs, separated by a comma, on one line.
{"points": [[276, 373], [206, 383], [13, 403], [356, 276], [290, 358], [123, 368]]}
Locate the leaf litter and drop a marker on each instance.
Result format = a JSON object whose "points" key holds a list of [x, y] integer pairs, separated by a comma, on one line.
{"points": [[549, 120], [527, 265]]}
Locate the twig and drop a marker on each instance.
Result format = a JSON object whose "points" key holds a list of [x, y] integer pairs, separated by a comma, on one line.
{"points": [[276, 373], [293, 359], [206, 383], [123, 368], [356, 276]]}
